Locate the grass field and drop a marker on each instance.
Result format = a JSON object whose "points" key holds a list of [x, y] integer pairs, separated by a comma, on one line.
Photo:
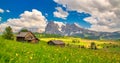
{"points": [[83, 42], [17, 52]]}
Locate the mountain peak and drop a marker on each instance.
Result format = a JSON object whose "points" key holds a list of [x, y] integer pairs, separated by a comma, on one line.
{"points": [[63, 29], [60, 24], [76, 30], [76, 24]]}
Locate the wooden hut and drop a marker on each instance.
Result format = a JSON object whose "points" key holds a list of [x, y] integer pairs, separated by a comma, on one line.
{"points": [[26, 37], [56, 42]]}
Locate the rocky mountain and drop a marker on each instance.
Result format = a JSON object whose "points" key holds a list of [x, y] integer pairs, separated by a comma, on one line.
{"points": [[52, 28], [76, 30]]}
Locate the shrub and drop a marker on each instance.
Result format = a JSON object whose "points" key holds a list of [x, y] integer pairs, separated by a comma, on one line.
{"points": [[82, 46], [93, 45], [75, 41]]}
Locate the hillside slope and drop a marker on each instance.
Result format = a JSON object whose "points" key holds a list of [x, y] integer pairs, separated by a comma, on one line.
{"points": [[17, 52]]}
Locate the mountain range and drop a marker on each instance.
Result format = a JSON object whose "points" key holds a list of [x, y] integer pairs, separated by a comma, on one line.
{"points": [[75, 30]]}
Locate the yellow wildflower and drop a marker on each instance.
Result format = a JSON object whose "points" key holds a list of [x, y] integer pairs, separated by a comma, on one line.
{"points": [[31, 58], [16, 54]]}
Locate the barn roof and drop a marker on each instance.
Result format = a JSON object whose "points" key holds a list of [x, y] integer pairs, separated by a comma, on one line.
{"points": [[22, 34], [57, 42]]}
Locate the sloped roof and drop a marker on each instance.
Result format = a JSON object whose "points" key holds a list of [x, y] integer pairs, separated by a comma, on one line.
{"points": [[57, 42], [22, 34]]}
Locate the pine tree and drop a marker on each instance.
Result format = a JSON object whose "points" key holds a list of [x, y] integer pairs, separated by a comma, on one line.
{"points": [[8, 33]]}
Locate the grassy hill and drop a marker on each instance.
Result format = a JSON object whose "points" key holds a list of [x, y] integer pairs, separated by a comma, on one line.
{"points": [[18, 52]]}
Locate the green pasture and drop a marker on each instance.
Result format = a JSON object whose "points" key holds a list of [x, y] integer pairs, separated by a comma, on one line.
{"points": [[79, 41], [12, 51]]}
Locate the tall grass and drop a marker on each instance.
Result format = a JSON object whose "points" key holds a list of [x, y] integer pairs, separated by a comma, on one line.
{"points": [[17, 52]]}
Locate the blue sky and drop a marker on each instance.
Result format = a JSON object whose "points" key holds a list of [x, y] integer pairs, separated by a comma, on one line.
{"points": [[17, 7], [97, 15]]}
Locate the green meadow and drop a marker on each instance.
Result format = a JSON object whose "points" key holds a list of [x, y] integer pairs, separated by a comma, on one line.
{"points": [[12, 51]]}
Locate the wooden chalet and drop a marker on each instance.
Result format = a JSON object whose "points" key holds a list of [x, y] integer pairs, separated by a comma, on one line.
{"points": [[26, 37], [56, 42]]}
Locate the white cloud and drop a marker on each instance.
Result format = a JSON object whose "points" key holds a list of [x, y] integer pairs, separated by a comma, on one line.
{"points": [[105, 14], [1, 10], [46, 14], [8, 11], [60, 13], [30, 20]]}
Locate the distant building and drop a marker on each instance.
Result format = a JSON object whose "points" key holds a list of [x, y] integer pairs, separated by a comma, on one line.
{"points": [[56, 42], [27, 36]]}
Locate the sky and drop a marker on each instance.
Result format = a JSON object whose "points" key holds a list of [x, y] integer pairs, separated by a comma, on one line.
{"points": [[97, 15]]}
